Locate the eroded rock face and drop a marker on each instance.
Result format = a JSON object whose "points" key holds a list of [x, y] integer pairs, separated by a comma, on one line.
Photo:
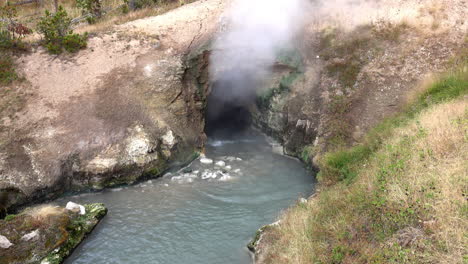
{"points": [[286, 108], [121, 110]]}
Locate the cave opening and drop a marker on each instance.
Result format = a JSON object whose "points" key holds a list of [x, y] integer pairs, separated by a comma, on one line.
{"points": [[228, 105]]}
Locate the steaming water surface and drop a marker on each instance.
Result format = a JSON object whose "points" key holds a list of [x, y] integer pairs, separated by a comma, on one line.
{"points": [[204, 216]]}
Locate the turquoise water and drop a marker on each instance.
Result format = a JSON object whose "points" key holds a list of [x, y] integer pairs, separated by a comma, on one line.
{"points": [[204, 214]]}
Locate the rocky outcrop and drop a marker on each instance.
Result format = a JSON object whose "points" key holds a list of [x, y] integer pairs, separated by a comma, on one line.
{"points": [[126, 108], [284, 108], [46, 234]]}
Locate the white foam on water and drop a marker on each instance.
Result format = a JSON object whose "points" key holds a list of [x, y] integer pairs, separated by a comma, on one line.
{"points": [[207, 174], [206, 161], [184, 178], [225, 177], [220, 163]]}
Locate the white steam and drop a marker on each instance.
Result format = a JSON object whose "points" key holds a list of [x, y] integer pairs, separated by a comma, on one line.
{"points": [[254, 31]]}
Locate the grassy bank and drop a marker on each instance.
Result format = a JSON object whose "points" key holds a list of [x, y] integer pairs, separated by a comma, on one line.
{"points": [[398, 197]]}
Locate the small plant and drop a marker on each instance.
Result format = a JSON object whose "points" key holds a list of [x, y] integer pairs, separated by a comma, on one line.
{"points": [[125, 7], [11, 31], [57, 34], [92, 8]]}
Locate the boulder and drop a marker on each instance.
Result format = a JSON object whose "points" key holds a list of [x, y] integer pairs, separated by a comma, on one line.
{"points": [[4, 242], [74, 207]]}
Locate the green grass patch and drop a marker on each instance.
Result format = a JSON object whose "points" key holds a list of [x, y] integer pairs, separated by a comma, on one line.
{"points": [[9, 217]]}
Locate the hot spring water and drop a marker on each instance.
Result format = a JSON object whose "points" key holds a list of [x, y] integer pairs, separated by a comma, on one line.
{"points": [[205, 214]]}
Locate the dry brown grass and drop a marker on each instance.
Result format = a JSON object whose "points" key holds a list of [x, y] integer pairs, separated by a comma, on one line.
{"points": [[413, 95], [108, 22], [29, 14], [46, 211]]}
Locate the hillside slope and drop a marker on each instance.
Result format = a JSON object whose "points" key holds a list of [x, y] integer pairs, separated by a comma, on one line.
{"points": [[399, 196], [380, 109]]}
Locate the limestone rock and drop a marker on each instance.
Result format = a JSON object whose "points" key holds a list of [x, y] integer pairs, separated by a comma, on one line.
{"points": [[4, 242], [76, 208], [169, 140], [30, 236]]}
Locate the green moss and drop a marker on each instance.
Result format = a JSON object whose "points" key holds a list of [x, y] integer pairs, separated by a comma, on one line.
{"points": [[256, 239], [151, 173], [307, 153], [9, 217], [264, 98]]}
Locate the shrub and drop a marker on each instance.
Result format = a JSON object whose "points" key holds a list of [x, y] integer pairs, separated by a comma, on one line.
{"points": [[74, 42], [93, 8], [57, 34]]}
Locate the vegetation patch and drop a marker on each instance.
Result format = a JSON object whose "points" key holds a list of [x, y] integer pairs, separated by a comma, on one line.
{"points": [[7, 70], [57, 33], [77, 229], [291, 59], [46, 233], [398, 197], [11, 34], [264, 98], [92, 9]]}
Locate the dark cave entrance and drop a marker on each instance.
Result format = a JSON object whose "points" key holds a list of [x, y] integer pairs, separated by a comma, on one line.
{"points": [[227, 113]]}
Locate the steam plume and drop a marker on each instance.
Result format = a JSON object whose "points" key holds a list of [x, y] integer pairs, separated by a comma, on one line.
{"points": [[254, 32]]}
